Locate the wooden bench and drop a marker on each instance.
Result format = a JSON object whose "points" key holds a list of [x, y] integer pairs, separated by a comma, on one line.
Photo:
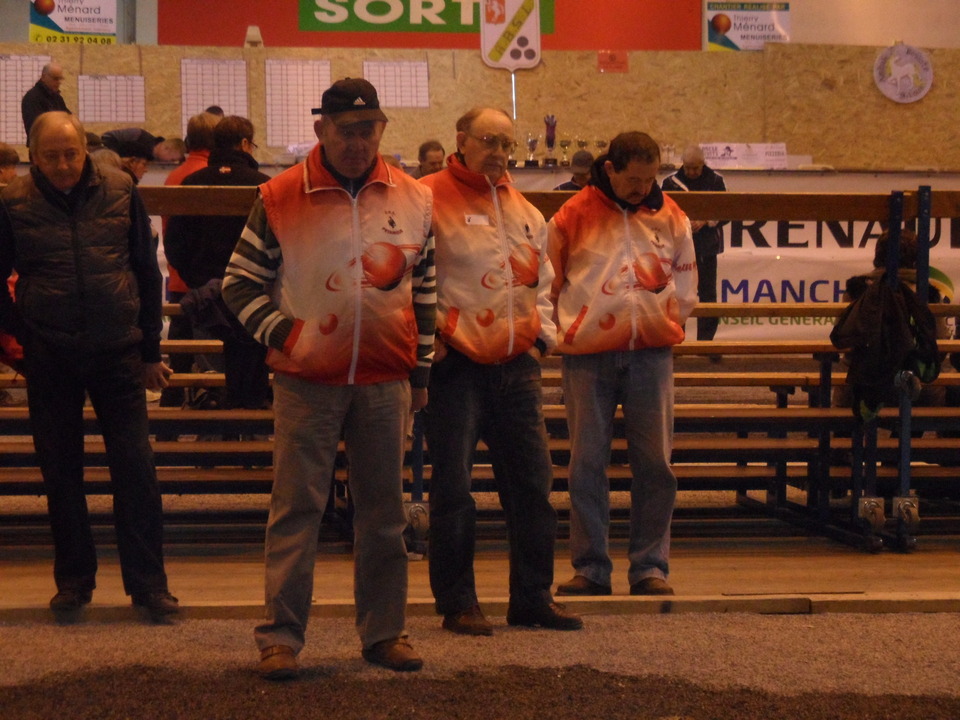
{"points": [[736, 448]]}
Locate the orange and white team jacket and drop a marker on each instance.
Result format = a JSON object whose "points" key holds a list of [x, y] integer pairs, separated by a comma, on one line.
{"points": [[625, 280], [493, 273], [352, 270]]}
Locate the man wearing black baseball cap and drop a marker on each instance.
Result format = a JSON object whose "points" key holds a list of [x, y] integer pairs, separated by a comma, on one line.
{"points": [[334, 274]]}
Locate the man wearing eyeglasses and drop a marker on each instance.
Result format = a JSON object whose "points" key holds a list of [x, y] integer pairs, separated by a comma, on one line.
{"points": [[493, 326], [200, 246]]}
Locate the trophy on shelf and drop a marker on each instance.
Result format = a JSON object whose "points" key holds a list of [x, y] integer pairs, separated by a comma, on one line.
{"points": [[533, 140], [551, 139], [582, 143], [565, 143], [601, 146]]}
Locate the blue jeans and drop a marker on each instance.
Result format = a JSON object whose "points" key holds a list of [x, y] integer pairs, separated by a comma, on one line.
{"points": [[593, 385], [502, 404], [309, 421]]}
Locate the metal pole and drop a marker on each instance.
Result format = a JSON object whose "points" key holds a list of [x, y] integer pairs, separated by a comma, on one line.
{"points": [[893, 238], [513, 92], [923, 244]]}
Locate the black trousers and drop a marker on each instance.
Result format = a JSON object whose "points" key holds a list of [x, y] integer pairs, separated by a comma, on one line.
{"points": [[707, 292], [57, 382]]}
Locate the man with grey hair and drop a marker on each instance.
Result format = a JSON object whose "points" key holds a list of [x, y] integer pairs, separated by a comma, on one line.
{"points": [[88, 314], [44, 96], [494, 326], [695, 176], [334, 274]]}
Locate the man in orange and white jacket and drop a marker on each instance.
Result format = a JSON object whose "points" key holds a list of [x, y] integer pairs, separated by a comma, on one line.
{"points": [[625, 283], [493, 325], [334, 274]]}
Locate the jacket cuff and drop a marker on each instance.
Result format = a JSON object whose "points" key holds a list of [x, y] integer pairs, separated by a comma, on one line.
{"points": [[420, 377], [293, 334]]}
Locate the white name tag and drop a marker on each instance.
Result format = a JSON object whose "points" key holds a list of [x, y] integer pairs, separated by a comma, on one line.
{"points": [[477, 219]]}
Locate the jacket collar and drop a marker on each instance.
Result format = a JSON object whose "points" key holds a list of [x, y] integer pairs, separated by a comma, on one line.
{"points": [[233, 157], [704, 179], [90, 177], [598, 176], [475, 180], [319, 175]]}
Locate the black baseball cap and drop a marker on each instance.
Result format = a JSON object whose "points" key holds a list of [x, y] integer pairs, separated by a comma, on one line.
{"points": [[349, 101]]}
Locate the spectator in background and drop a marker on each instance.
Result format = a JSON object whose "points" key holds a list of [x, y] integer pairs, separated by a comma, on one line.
{"points": [[94, 142], [201, 245], [11, 354], [135, 148], [430, 157], [171, 150], [9, 160], [87, 312], [334, 273], [625, 284], [215, 110], [580, 165], [695, 176], [44, 96], [199, 143]]}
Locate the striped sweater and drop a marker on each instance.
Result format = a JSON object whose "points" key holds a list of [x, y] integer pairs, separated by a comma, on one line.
{"points": [[341, 288]]}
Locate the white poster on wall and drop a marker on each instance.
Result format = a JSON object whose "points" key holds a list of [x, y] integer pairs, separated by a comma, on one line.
{"points": [[769, 156], [746, 25], [808, 262]]}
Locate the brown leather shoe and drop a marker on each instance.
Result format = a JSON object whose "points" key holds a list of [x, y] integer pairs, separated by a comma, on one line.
{"points": [[70, 600], [651, 586], [158, 603], [278, 662], [395, 654], [580, 585], [468, 622], [550, 616]]}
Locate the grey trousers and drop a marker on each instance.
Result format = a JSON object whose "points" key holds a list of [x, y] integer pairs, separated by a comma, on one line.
{"points": [[309, 421]]}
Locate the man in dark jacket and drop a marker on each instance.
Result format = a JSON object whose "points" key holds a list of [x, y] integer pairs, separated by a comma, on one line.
{"points": [[44, 96], [695, 176], [88, 315], [199, 246]]}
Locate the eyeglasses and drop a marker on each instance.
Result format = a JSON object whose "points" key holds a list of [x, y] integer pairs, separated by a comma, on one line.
{"points": [[492, 142]]}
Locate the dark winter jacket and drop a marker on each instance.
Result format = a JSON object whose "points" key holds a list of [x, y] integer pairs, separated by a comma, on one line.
{"points": [[88, 276], [709, 239], [38, 100], [199, 246]]}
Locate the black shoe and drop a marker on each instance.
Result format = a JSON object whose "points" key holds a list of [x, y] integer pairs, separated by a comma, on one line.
{"points": [[158, 603], [550, 616], [580, 585], [651, 586], [67, 601]]}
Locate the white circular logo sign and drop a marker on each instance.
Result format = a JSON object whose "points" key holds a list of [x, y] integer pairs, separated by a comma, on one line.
{"points": [[903, 73]]}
